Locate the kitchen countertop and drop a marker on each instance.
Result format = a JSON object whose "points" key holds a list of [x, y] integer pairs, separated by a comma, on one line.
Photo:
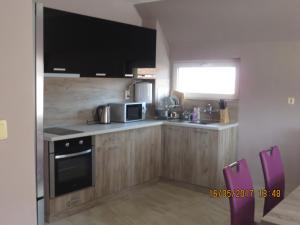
{"points": [[96, 129]]}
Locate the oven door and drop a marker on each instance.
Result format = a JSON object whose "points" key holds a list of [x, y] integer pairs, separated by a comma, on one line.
{"points": [[134, 112], [70, 172]]}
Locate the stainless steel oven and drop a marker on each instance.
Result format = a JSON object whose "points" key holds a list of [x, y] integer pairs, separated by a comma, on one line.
{"points": [[127, 112], [71, 165]]}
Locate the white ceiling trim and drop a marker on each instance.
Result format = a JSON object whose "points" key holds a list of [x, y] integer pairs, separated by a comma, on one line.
{"points": [[135, 2]]}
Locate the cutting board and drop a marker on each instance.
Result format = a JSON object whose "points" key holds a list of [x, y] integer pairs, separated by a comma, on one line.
{"points": [[179, 95]]}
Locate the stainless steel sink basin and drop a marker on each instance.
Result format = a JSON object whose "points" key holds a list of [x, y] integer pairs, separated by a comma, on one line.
{"points": [[177, 120], [205, 122]]}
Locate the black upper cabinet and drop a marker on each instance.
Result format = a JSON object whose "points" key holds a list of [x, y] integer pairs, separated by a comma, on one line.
{"points": [[89, 46]]}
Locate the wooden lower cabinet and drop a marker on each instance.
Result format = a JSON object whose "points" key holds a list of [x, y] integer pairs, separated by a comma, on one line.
{"points": [[127, 158], [112, 162], [147, 154], [202, 155], [197, 156], [59, 205], [122, 160], [226, 154], [174, 153]]}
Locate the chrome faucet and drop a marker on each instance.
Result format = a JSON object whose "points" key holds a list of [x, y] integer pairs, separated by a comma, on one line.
{"points": [[209, 109]]}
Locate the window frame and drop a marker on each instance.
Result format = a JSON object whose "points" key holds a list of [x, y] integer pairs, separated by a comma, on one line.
{"points": [[199, 63]]}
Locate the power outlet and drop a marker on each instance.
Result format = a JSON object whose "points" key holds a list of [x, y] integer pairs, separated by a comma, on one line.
{"points": [[291, 100], [127, 94], [3, 130]]}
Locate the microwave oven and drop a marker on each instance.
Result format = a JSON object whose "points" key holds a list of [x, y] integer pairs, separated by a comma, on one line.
{"points": [[127, 112]]}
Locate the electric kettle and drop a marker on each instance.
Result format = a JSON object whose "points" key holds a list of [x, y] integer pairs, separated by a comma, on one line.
{"points": [[103, 114]]}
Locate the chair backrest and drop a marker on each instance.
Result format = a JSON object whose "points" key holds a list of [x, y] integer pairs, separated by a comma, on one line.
{"points": [[274, 177], [238, 178]]}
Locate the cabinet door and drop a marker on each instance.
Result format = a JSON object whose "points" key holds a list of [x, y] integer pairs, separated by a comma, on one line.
{"points": [[201, 157], [175, 144], [94, 47], [66, 41], [76, 44], [147, 154], [68, 201], [113, 162]]}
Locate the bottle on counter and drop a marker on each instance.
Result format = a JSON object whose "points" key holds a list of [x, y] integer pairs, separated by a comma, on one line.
{"points": [[198, 114], [194, 115]]}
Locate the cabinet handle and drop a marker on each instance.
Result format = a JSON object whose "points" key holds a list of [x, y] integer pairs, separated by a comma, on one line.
{"points": [[73, 154], [101, 74], [59, 69], [128, 75]]}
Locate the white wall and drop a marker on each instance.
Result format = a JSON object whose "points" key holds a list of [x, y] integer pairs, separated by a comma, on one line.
{"points": [[269, 74], [17, 164], [116, 10], [163, 70], [162, 64], [265, 36]]}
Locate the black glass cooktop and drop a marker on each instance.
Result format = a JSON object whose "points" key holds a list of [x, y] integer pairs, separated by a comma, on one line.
{"points": [[61, 131]]}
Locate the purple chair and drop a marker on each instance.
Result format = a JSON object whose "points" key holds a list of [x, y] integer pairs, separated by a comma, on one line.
{"points": [[274, 176], [237, 177]]}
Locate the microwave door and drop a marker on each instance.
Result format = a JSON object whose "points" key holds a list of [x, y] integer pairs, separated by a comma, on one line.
{"points": [[134, 112]]}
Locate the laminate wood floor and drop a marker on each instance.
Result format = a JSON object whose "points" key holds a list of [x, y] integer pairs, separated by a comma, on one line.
{"points": [[158, 204]]}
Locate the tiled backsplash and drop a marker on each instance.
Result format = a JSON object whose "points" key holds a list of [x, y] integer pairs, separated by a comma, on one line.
{"points": [[71, 101], [232, 107]]}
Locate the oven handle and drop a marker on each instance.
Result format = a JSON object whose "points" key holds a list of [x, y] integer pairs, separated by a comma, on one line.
{"points": [[73, 154]]}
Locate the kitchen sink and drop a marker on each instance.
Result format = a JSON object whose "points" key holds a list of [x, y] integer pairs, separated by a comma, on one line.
{"points": [[177, 120], [205, 122]]}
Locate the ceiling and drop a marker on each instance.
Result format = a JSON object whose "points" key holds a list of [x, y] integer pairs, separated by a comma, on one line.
{"points": [[142, 1], [190, 22]]}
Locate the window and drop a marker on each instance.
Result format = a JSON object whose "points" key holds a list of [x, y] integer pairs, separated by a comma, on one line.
{"points": [[207, 79]]}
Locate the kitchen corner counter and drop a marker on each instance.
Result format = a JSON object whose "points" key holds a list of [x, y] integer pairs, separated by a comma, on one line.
{"points": [[212, 126], [143, 152], [96, 129]]}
